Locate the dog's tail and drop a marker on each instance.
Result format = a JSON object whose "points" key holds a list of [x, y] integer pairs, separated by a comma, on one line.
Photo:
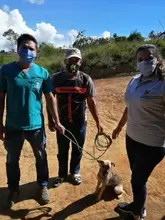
{"points": [[119, 189]]}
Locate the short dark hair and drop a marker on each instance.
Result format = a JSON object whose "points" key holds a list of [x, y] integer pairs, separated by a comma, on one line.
{"points": [[24, 37]]}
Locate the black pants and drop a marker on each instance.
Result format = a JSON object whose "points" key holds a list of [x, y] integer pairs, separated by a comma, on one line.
{"points": [[143, 159], [63, 149], [13, 143]]}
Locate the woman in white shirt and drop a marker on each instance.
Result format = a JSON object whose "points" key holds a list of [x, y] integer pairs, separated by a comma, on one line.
{"points": [[145, 132]]}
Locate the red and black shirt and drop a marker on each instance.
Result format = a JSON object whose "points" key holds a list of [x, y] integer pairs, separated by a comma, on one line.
{"points": [[71, 96]]}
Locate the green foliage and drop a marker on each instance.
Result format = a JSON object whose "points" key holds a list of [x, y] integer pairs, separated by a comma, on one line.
{"points": [[101, 57], [135, 36], [1, 60], [11, 36], [83, 41]]}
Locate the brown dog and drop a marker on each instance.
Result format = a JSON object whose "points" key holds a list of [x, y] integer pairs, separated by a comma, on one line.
{"points": [[106, 177]]}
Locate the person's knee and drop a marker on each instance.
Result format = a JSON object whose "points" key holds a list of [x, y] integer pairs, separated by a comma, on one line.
{"points": [[62, 156], [12, 158], [77, 150], [138, 182], [40, 155]]}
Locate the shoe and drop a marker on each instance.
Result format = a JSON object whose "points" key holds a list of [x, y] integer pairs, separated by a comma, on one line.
{"points": [[44, 195], [13, 195], [144, 214], [127, 208], [76, 179], [58, 181]]}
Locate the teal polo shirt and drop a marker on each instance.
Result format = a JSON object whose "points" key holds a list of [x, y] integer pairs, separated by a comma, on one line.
{"points": [[24, 95]]}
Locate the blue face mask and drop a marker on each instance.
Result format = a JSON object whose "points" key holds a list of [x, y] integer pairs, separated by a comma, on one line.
{"points": [[27, 56]]}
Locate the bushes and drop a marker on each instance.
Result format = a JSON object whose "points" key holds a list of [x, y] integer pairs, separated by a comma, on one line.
{"points": [[99, 61]]}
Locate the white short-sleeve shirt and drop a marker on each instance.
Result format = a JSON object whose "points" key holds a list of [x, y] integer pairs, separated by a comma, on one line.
{"points": [[146, 110]]}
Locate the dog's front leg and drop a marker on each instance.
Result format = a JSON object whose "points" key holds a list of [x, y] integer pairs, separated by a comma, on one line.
{"points": [[97, 186], [101, 192]]}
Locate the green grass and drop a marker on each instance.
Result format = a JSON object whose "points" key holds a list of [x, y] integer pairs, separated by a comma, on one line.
{"points": [[99, 61]]}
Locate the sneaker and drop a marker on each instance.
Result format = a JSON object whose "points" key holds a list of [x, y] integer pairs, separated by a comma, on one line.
{"points": [[76, 179], [58, 181], [44, 195], [13, 195], [144, 214], [126, 208]]}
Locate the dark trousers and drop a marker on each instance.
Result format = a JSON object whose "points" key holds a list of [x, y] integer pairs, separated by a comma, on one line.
{"points": [[143, 159], [13, 144], [63, 149]]}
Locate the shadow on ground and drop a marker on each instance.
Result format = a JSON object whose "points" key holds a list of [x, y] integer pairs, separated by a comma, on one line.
{"points": [[27, 191], [30, 191], [83, 203]]}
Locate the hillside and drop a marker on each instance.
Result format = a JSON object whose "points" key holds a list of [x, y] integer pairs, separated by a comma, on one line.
{"points": [[102, 58]]}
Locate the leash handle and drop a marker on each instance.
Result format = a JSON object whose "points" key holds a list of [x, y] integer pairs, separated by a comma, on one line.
{"points": [[96, 145]]}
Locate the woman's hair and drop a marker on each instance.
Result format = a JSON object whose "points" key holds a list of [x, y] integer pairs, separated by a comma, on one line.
{"points": [[155, 52]]}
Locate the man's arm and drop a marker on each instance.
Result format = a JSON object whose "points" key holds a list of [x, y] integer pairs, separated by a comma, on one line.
{"points": [[52, 111], [51, 105], [2, 106], [93, 109], [2, 101], [92, 103], [51, 121]]}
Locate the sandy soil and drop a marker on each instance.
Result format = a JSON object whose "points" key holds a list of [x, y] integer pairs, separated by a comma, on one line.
{"points": [[75, 202]]}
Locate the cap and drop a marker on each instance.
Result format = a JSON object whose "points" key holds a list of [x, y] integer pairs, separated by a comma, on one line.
{"points": [[73, 52]]}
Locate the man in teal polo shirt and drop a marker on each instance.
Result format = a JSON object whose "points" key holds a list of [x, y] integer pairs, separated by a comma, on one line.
{"points": [[22, 84]]}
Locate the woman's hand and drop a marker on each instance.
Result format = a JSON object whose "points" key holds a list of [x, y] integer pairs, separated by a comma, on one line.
{"points": [[116, 132]]}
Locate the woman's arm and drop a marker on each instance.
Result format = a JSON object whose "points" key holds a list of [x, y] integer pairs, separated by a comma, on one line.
{"points": [[121, 124]]}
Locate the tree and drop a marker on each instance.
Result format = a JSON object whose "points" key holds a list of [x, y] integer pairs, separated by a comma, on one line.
{"points": [[12, 37], [115, 36], [80, 40], [152, 35], [83, 41], [46, 50], [135, 36]]}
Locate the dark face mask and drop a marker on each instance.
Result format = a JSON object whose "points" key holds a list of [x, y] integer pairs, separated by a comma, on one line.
{"points": [[72, 68]]}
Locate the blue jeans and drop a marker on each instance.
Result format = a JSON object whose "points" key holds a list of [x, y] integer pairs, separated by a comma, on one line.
{"points": [[13, 144], [143, 159], [63, 149]]}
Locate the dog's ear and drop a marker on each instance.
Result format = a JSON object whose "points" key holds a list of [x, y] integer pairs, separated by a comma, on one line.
{"points": [[113, 164], [100, 162]]}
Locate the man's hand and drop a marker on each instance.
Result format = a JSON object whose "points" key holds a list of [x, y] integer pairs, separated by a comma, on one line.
{"points": [[60, 128], [99, 128], [2, 131], [52, 126]]}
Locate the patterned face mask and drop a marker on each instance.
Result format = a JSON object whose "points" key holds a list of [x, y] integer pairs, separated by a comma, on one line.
{"points": [[72, 68]]}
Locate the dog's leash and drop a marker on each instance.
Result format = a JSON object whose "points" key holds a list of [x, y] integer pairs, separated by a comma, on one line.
{"points": [[97, 144]]}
